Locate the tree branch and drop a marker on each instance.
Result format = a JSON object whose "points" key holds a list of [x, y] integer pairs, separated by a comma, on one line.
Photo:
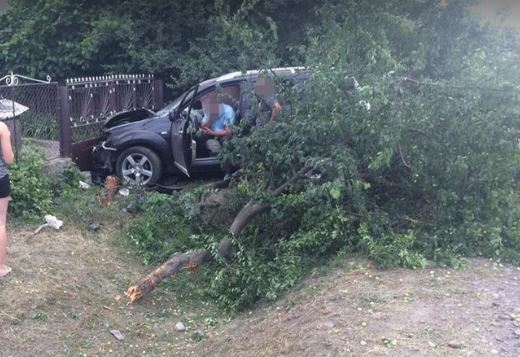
{"points": [[176, 263], [192, 260], [292, 180], [402, 157]]}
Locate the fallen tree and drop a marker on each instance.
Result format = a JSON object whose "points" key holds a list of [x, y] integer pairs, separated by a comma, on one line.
{"points": [[171, 267], [192, 260], [429, 171]]}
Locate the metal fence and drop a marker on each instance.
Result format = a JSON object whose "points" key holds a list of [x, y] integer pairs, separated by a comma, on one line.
{"points": [[39, 123], [59, 119], [87, 102]]}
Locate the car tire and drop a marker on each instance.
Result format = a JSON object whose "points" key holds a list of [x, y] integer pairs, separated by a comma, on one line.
{"points": [[139, 165]]}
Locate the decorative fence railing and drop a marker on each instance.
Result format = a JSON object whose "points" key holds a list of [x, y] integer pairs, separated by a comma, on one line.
{"points": [[57, 118], [87, 102]]}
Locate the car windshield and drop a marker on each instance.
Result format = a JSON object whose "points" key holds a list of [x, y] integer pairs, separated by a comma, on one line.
{"points": [[168, 108], [177, 101]]}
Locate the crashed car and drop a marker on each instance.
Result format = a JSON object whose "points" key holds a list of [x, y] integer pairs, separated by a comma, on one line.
{"points": [[143, 147]]}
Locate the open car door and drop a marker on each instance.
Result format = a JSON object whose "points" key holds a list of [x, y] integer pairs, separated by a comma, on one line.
{"points": [[180, 138]]}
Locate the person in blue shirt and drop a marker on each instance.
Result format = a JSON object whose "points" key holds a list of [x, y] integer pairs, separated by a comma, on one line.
{"points": [[217, 124], [218, 120]]}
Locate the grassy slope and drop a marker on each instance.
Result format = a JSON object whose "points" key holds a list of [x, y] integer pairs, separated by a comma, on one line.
{"points": [[60, 300]]}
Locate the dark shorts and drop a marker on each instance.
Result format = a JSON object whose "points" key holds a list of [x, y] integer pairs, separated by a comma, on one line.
{"points": [[5, 186]]}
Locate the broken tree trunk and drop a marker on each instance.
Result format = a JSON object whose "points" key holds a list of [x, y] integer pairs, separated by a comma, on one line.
{"points": [[192, 260], [172, 266], [246, 214]]}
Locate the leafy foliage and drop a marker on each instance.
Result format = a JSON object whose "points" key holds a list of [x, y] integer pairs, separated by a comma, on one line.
{"points": [[35, 193], [165, 226], [30, 190], [429, 172], [40, 127], [392, 250], [180, 41], [232, 42], [251, 276]]}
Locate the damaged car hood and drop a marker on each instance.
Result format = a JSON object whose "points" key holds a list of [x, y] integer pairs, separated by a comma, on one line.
{"points": [[129, 116]]}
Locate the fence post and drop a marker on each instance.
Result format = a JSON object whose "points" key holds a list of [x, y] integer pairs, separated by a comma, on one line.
{"points": [[133, 83], [158, 94], [112, 100], [64, 119], [15, 123]]}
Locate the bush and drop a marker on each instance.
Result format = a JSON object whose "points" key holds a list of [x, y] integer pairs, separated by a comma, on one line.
{"points": [[31, 191], [166, 224], [35, 194]]}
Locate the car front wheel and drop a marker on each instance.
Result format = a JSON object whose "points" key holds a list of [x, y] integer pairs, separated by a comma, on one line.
{"points": [[139, 165]]}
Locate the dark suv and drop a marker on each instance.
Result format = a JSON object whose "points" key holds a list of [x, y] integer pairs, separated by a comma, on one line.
{"points": [[142, 146]]}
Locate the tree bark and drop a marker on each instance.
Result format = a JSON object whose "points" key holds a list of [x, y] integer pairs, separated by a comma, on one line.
{"points": [[171, 267], [246, 214]]}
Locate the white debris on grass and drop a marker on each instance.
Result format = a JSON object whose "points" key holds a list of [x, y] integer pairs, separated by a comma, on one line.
{"points": [[51, 221]]}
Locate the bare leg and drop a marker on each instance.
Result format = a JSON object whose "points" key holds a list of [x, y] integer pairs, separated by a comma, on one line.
{"points": [[4, 269]]}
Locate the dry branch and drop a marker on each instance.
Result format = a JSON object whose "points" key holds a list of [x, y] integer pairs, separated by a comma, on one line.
{"points": [[171, 267]]}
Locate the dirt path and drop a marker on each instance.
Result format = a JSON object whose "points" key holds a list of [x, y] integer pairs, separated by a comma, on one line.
{"points": [[470, 312], [59, 301]]}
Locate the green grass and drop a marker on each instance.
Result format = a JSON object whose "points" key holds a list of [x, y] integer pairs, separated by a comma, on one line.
{"points": [[40, 126]]}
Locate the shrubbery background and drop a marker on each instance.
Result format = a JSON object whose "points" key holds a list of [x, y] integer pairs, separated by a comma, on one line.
{"points": [[429, 173]]}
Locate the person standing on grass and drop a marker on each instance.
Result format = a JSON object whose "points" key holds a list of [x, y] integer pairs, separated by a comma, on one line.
{"points": [[6, 158]]}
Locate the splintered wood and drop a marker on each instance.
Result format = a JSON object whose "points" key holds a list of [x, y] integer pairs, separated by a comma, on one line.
{"points": [[111, 186], [176, 263]]}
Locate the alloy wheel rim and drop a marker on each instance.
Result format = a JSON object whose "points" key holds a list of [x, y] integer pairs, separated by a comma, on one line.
{"points": [[137, 168]]}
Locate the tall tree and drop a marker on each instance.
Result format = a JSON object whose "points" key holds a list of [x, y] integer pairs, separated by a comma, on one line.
{"points": [[430, 170]]}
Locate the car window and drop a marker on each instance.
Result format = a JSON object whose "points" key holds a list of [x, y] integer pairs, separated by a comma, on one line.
{"points": [[227, 94], [168, 108], [176, 102]]}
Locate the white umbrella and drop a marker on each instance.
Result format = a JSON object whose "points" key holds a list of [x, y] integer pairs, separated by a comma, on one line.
{"points": [[10, 109]]}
